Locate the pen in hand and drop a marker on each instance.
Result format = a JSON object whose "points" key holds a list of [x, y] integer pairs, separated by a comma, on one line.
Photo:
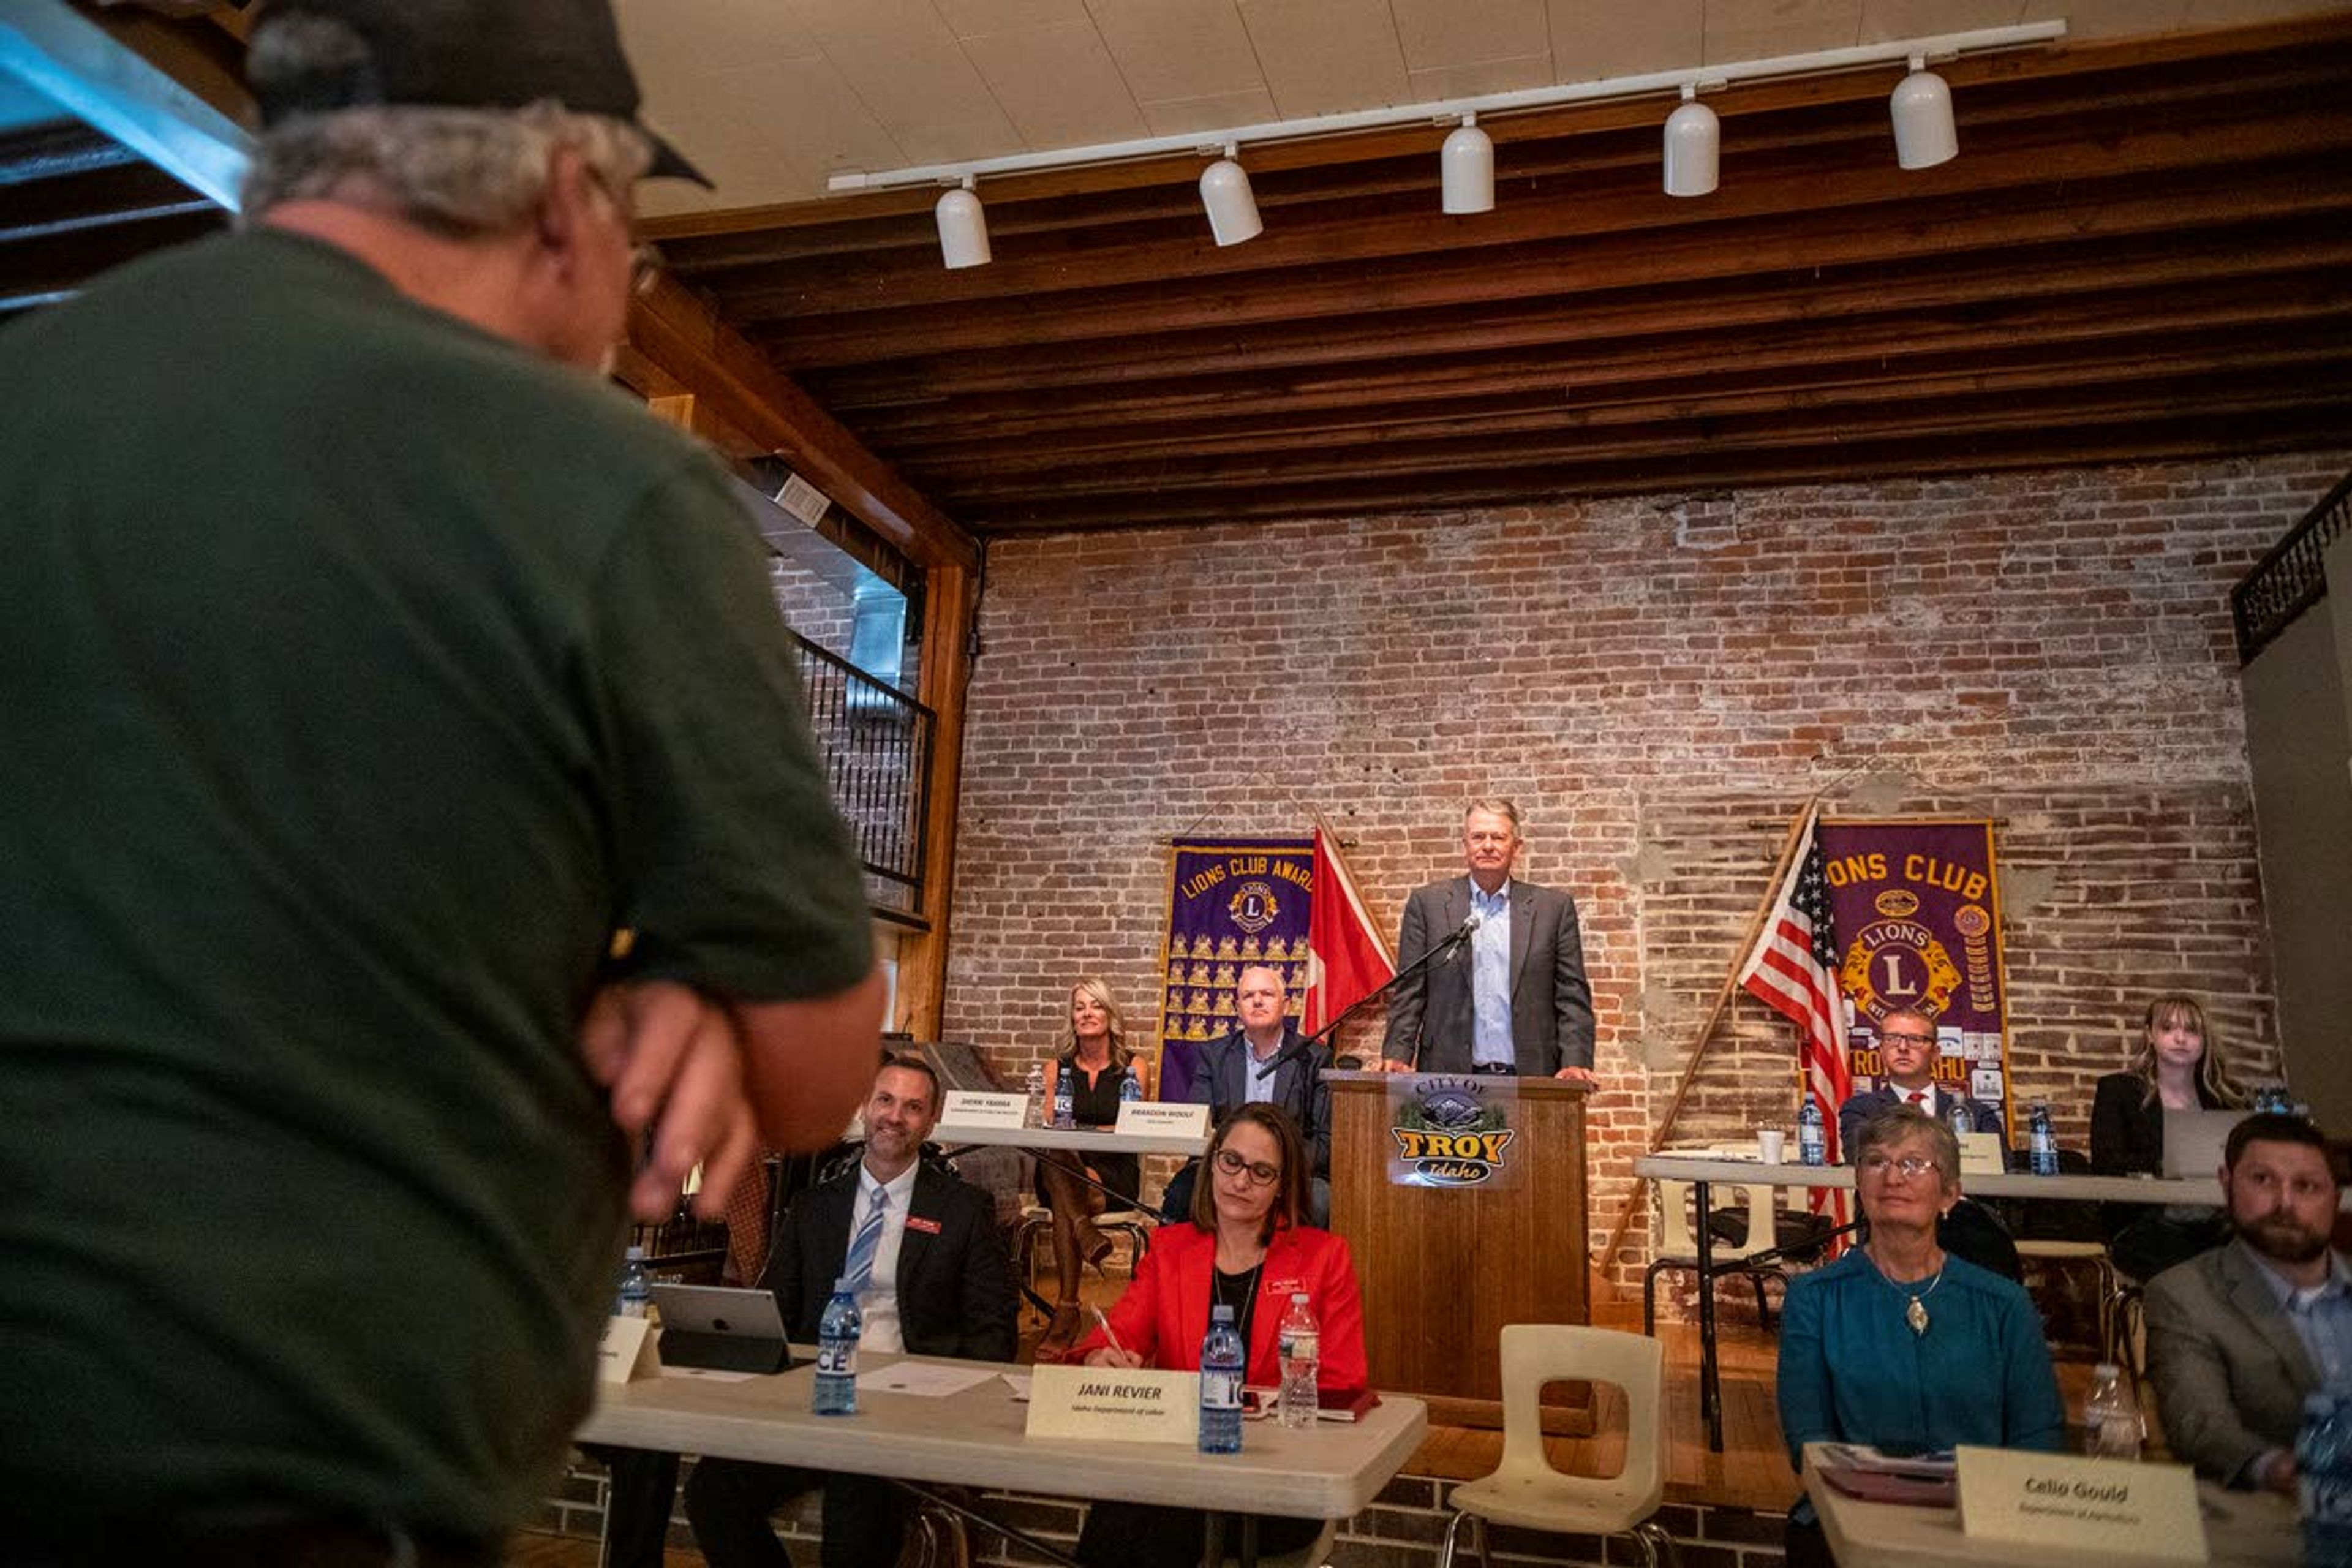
{"points": [[1127, 1357]]}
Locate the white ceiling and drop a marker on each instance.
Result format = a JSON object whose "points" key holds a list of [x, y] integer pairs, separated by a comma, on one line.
{"points": [[770, 97]]}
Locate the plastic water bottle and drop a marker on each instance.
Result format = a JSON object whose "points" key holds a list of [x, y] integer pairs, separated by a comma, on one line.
{"points": [[1301, 1343], [1034, 1116], [1131, 1086], [1812, 1139], [1962, 1123], [2110, 1415], [2272, 1099], [2323, 1460], [1220, 1385], [637, 1287], [1066, 1103], [2042, 1143], [837, 1354]]}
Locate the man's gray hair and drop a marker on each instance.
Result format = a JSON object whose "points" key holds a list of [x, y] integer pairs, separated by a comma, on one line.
{"points": [[1499, 805], [457, 171]]}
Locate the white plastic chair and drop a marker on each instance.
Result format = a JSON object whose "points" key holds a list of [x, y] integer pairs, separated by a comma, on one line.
{"points": [[1525, 1491]]}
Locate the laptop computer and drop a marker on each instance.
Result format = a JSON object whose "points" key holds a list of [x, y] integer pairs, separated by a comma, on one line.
{"points": [[720, 1328], [2193, 1140]]}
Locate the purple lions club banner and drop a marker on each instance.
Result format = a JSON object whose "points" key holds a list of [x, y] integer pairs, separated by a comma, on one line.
{"points": [[1917, 907], [1232, 902]]}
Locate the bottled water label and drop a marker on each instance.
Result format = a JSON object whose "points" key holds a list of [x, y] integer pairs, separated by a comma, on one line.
{"points": [[837, 1358], [1220, 1390], [1300, 1347]]}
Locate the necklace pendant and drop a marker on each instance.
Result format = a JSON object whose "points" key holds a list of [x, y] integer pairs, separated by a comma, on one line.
{"points": [[1916, 1316]]}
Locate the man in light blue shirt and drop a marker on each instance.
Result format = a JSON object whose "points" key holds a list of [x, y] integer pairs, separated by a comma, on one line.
{"points": [[1507, 993], [2237, 1337]]}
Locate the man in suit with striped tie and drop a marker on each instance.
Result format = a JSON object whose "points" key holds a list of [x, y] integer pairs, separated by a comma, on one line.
{"points": [[923, 1253]]}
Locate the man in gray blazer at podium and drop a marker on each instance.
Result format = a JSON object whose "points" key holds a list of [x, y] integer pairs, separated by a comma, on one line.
{"points": [[1511, 997]]}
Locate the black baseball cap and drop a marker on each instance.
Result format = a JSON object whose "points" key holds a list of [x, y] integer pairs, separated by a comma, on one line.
{"points": [[473, 54]]}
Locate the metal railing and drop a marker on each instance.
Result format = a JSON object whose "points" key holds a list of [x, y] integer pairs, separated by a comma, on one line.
{"points": [[876, 741], [2292, 577]]}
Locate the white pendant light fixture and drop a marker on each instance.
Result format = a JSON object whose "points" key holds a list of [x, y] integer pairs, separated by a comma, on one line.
{"points": [[1694, 146], [1225, 192], [1465, 167], [963, 227], [1924, 135]]}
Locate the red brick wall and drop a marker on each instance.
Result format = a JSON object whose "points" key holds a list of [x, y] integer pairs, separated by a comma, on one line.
{"points": [[1658, 683]]}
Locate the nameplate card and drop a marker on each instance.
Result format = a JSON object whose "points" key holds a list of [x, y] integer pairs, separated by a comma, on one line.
{"points": [[627, 1350], [2142, 1512], [1160, 1120], [1980, 1155], [1114, 1404], [972, 1108]]}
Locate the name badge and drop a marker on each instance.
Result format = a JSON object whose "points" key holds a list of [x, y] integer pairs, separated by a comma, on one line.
{"points": [[1162, 1119], [972, 1108], [626, 1351], [1114, 1404], [2141, 1512], [928, 1226]]}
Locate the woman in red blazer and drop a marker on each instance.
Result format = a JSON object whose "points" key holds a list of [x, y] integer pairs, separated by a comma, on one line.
{"points": [[1246, 1248]]}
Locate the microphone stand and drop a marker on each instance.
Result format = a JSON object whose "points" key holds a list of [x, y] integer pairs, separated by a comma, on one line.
{"points": [[1304, 1049]]}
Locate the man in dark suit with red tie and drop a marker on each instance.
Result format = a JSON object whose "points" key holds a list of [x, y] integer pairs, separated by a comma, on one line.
{"points": [[1908, 1046], [1908, 1049]]}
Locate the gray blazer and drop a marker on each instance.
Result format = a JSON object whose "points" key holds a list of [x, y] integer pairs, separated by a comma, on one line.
{"points": [[2231, 1372], [1551, 1004]]}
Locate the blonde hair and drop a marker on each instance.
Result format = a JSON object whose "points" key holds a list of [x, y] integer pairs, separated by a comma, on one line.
{"points": [[1099, 992], [2212, 1067]]}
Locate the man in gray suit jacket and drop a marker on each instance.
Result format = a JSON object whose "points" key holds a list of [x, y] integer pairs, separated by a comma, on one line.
{"points": [[2238, 1336], [1511, 997]]}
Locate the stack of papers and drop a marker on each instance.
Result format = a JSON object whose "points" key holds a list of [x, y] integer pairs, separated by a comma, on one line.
{"points": [[1921, 1481]]}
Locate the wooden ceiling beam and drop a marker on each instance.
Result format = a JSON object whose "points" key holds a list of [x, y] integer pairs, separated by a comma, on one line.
{"points": [[1353, 231], [1894, 232], [2051, 446], [1988, 308], [677, 333], [2077, 357], [1402, 431], [908, 392], [1880, 413]]}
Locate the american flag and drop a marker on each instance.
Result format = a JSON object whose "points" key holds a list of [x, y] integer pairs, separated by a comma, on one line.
{"points": [[1793, 971]]}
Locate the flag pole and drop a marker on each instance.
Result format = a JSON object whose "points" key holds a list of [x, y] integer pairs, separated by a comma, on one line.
{"points": [[1705, 1031]]}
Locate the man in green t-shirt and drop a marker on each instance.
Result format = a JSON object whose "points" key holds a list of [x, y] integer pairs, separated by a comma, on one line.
{"points": [[367, 666]]}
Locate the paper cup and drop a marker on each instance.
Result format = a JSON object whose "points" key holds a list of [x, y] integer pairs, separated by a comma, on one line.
{"points": [[1770, 1144]]}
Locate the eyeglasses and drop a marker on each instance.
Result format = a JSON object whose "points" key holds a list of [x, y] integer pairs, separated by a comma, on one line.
{"points": [[1913, 1165], [1906, 1039], [1233, 1164]]}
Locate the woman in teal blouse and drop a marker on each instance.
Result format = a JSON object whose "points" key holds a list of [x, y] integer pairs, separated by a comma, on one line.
{"points": [[1900, 1346]]}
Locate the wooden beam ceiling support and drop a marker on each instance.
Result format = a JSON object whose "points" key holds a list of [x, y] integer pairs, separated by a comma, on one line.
{"points": [[2048, 445], [676, 331], [1295, 371]]}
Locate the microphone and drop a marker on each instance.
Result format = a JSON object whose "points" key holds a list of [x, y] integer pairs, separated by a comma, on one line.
{"points": [[1470, 923]]}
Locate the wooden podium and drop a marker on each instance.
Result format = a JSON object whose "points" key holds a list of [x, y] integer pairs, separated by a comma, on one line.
{"points": [[1444, 1268]]}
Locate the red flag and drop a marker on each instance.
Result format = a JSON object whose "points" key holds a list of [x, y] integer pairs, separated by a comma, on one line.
{"points": [[1347, 960], [1794, 971]]}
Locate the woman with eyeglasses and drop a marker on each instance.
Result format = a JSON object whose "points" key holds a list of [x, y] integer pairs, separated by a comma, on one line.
{"points": [[1900, 1345], [1245, 1247], [2179, 1065]]}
